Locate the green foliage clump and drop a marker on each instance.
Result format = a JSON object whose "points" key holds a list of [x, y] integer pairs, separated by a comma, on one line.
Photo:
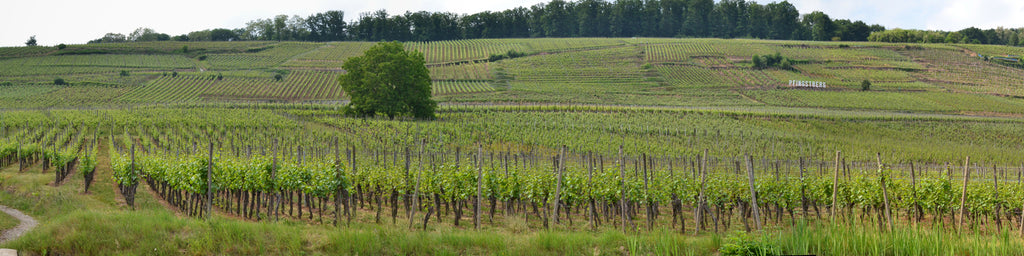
{"points": [[388, 80], [124, 73], [7, 83], [61, 46], [865, 85], [278, 77], [772, 61], [202, 57], [743, 245], [59, 81], [511, 54]]}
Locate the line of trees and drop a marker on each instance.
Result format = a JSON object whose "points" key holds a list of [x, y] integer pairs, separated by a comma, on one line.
{"points": [[559, 18], [972, 35]]}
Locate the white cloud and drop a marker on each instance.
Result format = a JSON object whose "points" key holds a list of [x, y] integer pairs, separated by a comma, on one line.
{"points": [[923, 14], [982, 14]]}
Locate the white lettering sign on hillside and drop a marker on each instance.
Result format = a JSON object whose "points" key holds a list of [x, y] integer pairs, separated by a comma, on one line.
{"points": [[807, 84]]}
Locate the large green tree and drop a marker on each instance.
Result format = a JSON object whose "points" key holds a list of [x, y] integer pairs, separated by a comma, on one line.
{"points": [[388, 80]]}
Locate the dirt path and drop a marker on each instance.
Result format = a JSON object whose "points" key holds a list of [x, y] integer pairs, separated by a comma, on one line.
{"points": [[27, 223]]}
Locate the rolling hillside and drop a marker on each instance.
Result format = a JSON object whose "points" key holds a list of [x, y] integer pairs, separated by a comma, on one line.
{"points": [[621, 71]]}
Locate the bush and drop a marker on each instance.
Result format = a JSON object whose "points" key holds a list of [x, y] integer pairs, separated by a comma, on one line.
{"points": [[220, 76], [511, 54], [8, 83], [174, 74], [865, 85], [61, 46], [278, 77], [744, 245], [202, 57], [124, 73], [514, 54], [646, 66], [495, 57], [59, 81], [772, 61], [184, 48]]}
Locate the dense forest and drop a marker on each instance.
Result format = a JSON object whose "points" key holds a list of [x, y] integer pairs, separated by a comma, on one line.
{"points": [[584, 18]]}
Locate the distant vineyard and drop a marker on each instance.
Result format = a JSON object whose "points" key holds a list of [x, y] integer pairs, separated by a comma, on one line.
{"points": [[450, 87], [605, 66], [331, 55], [299, 85], [476, 71], [263, 58], [86, 64], [462, 50]]}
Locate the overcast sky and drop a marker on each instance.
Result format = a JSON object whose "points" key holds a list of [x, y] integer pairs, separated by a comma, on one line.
{"points": [[78, 21]]}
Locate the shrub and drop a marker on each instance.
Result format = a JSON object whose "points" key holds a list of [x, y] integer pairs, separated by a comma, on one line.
{"points": [[8, 83], [786, 65], [514, 54], [278, 77], [124, 73], [59, 81], [646, 66], [772, 61], [61, 46], [202, 57], [184, 48], [865, 85], [744, 245], [174, 74], [220, 76], [495, 57]]}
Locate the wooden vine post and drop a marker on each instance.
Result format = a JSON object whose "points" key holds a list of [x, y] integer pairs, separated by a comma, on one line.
{"points": [[753, 194], [276, 200], [416, 192], [699, 211], [130, 189], [622, 177], [479, 186], [558, 183], [885, 193], [963, 194], [351, 199], [341, 185], [913, 193], [995, 187], [803, 189], [591, 210], [209, 185], [835, 189]]}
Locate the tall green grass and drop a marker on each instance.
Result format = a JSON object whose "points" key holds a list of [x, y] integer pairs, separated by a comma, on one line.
{"points": [[825, 239]]}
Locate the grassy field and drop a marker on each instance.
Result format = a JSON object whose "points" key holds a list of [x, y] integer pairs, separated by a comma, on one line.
{"points": [[662, 101], [100, 222], [638, 71]]}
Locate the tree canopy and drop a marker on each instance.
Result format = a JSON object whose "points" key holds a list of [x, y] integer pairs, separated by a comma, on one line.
{"points": [[585, 18], [388, 80]]}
